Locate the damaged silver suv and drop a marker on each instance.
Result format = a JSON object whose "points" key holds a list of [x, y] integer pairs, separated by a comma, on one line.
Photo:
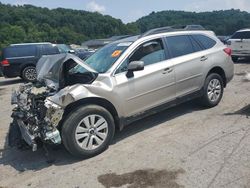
{"points": [[81, 104]]}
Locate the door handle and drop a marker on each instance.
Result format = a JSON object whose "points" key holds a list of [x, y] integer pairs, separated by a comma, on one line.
{"points": [[204, 58], [167, 70]]}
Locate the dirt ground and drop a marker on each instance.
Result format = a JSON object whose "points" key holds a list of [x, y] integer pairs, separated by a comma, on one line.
{"points": [[186, 146]]}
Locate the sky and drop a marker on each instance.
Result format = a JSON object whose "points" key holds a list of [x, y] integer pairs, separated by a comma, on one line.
{"points": [[131, 10]]}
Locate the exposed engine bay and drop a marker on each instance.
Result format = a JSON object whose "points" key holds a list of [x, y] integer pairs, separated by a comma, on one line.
{"points": [[36, 116]]}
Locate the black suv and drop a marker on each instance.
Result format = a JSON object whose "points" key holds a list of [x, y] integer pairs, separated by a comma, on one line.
{"points": [[21, 59]]}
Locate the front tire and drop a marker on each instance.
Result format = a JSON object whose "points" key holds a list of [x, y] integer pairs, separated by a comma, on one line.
{"points": [[29, 74], [212, 91], [88, 131]]}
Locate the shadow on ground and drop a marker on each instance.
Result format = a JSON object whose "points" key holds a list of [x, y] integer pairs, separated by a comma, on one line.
{"points": [[156, 119], [28, 160], [243, 111], [10, 82]]}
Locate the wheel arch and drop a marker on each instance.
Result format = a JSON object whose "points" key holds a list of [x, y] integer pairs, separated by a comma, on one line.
{"points": [[220, 71], [94, 101]]}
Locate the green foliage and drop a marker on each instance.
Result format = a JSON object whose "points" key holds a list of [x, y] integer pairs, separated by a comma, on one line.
{"points": [[33, 24], [221, 22]]}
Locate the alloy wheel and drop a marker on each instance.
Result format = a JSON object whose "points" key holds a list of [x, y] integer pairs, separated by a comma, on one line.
{"points": [[91, 132], [30, 74], [214, 90]]}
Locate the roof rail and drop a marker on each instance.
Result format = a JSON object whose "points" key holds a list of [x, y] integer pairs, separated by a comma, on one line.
{"points": [[171, 29]]}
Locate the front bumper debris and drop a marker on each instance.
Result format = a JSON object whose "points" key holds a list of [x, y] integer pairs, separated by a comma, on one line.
{"points": [[35, 119]]}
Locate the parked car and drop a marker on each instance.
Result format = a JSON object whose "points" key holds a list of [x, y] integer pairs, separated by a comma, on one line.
{"points": [[239, 42], [83, 53], [82, 103], [64, 48], [19, 60]]}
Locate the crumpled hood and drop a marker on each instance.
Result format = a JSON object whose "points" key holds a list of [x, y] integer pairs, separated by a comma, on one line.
{"points": [[50, 68]]}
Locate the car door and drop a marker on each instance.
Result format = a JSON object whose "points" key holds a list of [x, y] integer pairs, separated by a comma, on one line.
{"points": [[189, 61], [150, 87]]}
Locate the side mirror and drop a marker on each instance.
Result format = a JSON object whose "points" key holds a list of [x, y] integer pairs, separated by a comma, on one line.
{"points": [[135, 66]]}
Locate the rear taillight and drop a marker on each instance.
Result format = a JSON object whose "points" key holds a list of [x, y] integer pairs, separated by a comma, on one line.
{"points": [[5, 63], [228, 51]]}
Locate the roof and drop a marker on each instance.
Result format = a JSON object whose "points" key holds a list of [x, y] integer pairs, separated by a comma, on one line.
{"points": [[23, 44], [242, 30], [102, 42], [119, 37], [96, 42], [129, 39]]}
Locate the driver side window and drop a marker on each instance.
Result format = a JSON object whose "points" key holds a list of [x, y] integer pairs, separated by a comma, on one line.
{"points": [[149, 52]]}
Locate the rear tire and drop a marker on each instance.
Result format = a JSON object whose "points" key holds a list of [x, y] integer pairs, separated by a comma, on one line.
{"points": [[212, 91], [29, 74], [88, 131]]}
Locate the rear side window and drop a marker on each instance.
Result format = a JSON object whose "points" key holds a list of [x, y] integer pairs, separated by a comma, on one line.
{"points": [[20, 51], [197, 47], [179, 45], [204, 41], [49, 49], [241, 35]]}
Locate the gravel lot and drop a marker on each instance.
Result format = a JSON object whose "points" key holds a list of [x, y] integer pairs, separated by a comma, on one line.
{"points": [[186, 146]]}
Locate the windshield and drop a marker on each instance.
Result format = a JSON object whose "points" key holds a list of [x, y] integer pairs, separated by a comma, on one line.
{"points": [[104, 58]]}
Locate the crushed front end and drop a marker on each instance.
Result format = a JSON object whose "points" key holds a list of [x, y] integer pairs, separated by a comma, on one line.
{"points": [[39, 106], [35, 119]]}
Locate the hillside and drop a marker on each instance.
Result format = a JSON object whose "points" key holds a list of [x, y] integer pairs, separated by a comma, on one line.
{"points": [[221, 22], [33, 24]]}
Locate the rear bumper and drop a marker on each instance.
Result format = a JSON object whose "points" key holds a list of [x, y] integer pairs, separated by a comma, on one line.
{"points": [[240, 54]]}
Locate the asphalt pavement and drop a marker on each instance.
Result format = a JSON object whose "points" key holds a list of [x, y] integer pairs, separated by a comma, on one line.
{"points": [[185, 146]]}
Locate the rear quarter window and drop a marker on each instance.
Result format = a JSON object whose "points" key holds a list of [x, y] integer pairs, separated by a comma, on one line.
{"points": [[50, 50], [204, 41]]}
